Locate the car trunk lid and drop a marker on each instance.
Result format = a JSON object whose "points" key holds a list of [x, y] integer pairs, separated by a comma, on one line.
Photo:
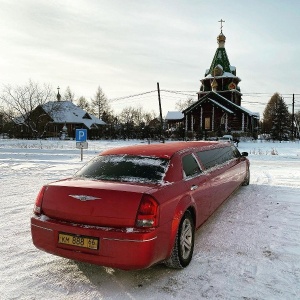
{"points": [[93, 202]]}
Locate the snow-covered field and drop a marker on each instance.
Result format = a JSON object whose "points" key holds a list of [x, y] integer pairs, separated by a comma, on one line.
{"points": [[249, 248]]}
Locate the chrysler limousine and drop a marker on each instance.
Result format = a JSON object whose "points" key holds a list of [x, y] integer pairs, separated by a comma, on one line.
{"points": [[136, 206]]}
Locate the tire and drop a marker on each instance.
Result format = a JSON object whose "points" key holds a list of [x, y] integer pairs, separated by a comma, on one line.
{"points": [[182, 252], [247, 178]]}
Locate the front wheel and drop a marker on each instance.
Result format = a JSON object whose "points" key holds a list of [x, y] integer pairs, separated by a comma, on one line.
{"points": [[184, 243]]}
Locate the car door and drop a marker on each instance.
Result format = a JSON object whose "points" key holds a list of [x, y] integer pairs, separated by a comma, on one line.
{"points": [[198, 186], [224, 176]]}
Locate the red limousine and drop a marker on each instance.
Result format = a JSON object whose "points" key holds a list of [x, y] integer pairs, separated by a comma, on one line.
{"points": [[132, 207]]}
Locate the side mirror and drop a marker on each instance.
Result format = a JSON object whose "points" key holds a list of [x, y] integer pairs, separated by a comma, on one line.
{"points": [[244, 153]]}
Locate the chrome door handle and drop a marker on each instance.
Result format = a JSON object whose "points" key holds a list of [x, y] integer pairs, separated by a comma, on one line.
{"points": [[194, 187]]}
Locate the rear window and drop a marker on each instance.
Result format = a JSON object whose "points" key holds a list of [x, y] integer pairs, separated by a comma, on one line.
{"points": [[125, 168], [217, 156]]}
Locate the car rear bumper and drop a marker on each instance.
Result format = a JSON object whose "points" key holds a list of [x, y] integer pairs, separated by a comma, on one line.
{"points": [[126, 248]]}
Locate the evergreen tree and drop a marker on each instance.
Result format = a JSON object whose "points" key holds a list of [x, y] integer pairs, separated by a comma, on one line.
{"points": [[277, 119], [297, 125], [269, 113]]}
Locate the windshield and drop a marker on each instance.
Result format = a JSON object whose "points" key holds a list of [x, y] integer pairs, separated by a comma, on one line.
{"points": [[125, 168]]}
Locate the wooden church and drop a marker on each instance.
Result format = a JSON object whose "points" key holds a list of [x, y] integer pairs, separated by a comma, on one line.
{"points": [[218, 109]]}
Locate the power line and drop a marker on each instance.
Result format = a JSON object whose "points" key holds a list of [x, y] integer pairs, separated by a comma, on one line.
{"points": [[131, 96], [178, 92], [176, 95]]}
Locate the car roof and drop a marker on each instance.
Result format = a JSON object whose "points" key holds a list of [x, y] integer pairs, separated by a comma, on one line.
{"points": [[162, 150]]}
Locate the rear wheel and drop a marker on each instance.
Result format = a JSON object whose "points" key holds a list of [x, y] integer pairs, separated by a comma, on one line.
{"points": [[247, 178], [184, 243]]}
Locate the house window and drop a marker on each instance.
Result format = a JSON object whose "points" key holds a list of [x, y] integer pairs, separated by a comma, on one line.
{"points": [[207, 123]]}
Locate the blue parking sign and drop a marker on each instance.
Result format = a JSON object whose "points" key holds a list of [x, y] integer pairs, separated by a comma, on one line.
{"points": [[81, 135]]}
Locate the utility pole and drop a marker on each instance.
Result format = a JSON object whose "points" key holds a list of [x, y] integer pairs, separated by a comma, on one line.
{"points": [[293, 116], [160, 113]]}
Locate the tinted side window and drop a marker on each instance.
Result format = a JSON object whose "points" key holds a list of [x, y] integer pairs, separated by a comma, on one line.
{"points": [[218, 156], [236, 152], [226, 154], [208, 158], [190, 166]]}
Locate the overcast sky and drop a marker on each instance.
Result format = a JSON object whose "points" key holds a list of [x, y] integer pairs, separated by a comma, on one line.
{"points": [[127, 46]]}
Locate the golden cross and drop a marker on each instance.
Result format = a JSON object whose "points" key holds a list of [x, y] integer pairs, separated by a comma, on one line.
{"points": [[221, 24]]}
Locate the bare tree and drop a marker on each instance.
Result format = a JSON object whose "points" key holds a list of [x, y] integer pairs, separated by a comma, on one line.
{"points": [[126, 115], [136, 115], [23, 105], [135, 122], [69, 95], [100, 104], [183, 104], [149, 116], [83, 103]]}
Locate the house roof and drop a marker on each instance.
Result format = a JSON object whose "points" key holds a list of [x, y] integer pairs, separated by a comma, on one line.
{"points": [[68, 112], [174, 115]]}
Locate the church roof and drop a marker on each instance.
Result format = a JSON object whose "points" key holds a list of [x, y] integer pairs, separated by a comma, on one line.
{"points": [[222, 102], [68, 112], [225, 74], [220, 105], [221, 61]]}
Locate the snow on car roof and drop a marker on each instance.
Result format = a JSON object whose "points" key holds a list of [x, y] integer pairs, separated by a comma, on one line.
{"points": [[162, 150]]}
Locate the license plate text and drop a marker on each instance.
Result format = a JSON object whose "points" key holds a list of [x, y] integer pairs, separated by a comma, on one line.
{"points": [[79, 241]]}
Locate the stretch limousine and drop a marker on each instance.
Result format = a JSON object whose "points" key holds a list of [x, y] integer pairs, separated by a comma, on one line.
{"points": [[135, 206]]}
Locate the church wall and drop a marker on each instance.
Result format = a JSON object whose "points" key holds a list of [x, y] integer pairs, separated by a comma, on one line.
{"points": [[213, 119]]}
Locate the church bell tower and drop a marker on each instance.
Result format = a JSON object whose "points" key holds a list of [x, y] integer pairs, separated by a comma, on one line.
{"points": [[221, 76]]}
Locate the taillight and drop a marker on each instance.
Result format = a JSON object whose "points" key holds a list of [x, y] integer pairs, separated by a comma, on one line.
{"points": [[37, 209], [147, 215]]}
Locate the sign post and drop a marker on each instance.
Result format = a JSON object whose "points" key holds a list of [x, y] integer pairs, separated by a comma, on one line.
{"points": [[81, 143]]}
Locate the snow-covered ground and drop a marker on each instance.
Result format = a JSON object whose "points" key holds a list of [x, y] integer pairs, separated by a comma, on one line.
{"points": [[249, 248]]}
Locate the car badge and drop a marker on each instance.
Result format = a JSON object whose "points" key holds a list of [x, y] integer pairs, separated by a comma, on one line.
{"points": [[84, 197]]}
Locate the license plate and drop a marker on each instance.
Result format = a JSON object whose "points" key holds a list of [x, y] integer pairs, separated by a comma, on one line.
{"points": [[78, 240]]}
